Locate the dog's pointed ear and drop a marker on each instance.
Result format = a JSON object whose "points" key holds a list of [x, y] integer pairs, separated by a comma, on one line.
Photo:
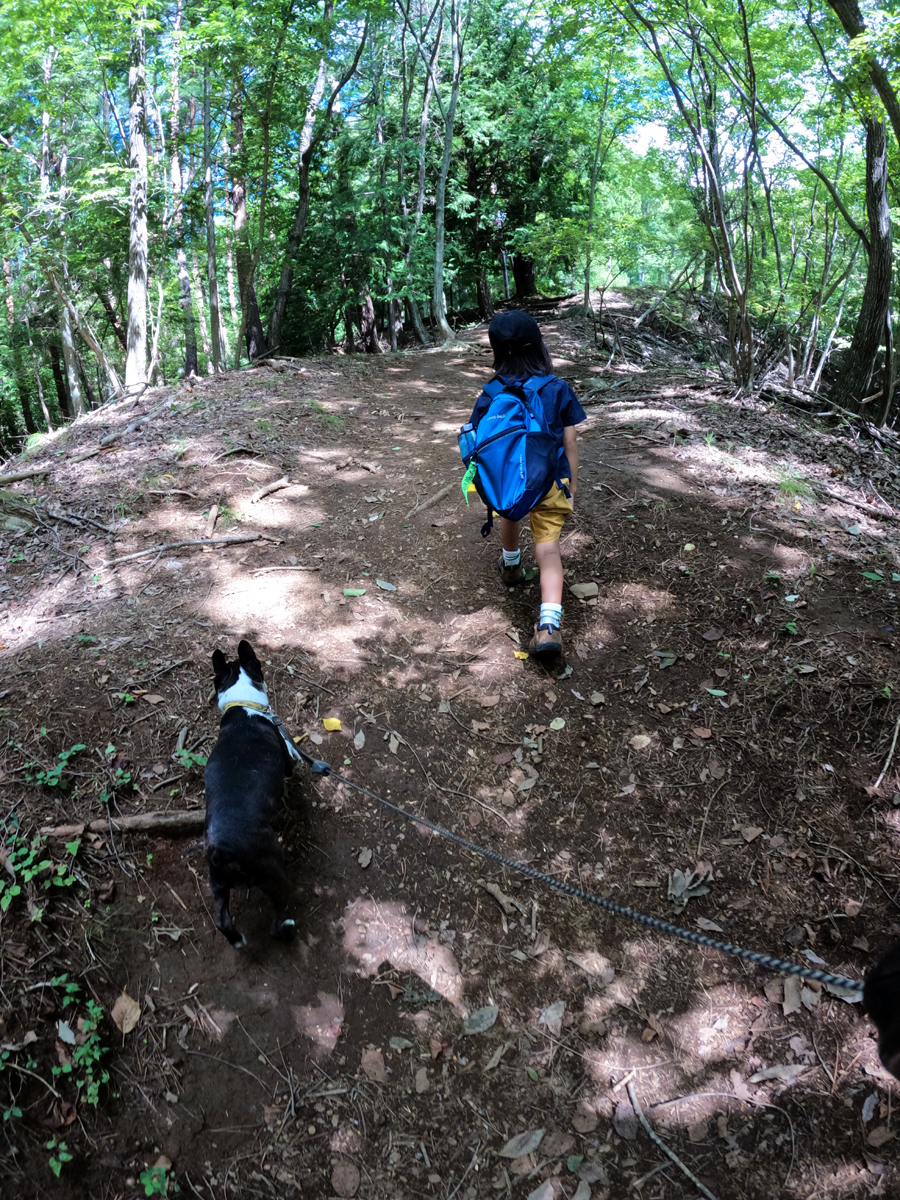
{"points": [[248, 660], [220, 663]]}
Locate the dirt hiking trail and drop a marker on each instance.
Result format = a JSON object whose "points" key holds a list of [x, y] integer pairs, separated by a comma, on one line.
{"points": [[707, 750]]}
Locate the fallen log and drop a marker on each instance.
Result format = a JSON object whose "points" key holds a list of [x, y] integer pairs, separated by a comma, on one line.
{"points": [[153, 822], [16, 476]]}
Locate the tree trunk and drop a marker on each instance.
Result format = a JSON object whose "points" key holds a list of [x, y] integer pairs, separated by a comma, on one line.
{"points": [[368, 329], [62, 395], [852, 384], [212, 281], [16, 344], [524, 276], [201, 313], [108, 303], [295, 237], [485, 304], [136, 356], [849, 15], [184, 283], [438, 302], [250, 319]]}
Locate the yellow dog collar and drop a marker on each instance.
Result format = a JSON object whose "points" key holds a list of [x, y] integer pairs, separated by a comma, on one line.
{"points": [[261, 708]]}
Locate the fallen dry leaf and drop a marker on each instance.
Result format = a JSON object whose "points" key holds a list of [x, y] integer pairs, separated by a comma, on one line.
{"points": [[126, 1012], [640, 741], [489, 701], [713, 635], [372, 1063], [522, 1144], [880, 1135], [584, 1118], [701, 731], [154, 699], [422, 1084]]}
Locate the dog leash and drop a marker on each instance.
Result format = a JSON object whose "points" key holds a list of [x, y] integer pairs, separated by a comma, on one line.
{"points": [[779, 965]]}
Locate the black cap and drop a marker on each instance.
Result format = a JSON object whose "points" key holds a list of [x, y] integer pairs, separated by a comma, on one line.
{"points": [[514, 327]]}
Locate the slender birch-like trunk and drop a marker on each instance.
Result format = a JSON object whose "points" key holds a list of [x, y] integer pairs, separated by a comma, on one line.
{"points": [[184, 284], [438, 301], [212, 281], [136, 357]]}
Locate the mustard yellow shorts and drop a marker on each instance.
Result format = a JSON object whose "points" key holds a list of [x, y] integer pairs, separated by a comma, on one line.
{"points": [[549, 514]]}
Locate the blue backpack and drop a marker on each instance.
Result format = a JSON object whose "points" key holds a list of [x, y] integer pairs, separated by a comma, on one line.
{"points": [[511, 454]]}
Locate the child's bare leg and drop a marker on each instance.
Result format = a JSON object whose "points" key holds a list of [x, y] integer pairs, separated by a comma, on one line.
{"points": [[550, 563], [546, 638], [509, 534]]}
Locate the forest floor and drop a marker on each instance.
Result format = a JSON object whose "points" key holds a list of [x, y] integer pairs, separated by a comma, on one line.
{"points": [[725, 706]]}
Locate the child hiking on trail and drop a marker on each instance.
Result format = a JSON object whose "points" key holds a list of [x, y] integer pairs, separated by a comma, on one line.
{"points": [[520, 449]]}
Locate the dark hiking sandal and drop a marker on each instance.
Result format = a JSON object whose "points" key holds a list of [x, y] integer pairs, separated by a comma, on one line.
{"points": [[512, 576], [546, 640]]}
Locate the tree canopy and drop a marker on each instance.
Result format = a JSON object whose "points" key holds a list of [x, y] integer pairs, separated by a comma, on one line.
{"points": [[187, 185]]}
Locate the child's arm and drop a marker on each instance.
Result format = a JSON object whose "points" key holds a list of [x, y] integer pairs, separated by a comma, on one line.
{"points": [[570, 447]]}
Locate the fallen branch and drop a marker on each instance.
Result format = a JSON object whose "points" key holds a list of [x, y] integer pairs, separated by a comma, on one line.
{"points": [[155, 822], [890, 756], [862, 505], [170, 492], [16, 476], [118, 434], [432, 500], [249, 537], [71, 519], [655, 1138], [283, 482], [263, 570]]}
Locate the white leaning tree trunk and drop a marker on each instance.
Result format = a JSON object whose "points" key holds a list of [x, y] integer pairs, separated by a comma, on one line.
{"points": [[136, 351]]}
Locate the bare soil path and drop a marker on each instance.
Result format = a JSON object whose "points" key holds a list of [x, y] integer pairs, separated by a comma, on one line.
{"points": [[725, 707]]}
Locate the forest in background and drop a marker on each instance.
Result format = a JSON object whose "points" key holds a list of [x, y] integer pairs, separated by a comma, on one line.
{"points": [[190, 185]]}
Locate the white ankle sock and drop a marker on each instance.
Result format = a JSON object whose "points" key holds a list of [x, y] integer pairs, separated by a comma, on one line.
{"points": [[512, 558], [551, 614]]}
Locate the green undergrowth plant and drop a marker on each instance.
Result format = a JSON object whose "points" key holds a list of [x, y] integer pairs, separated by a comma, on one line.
{"points": [[28, 868], [52, 776], [793, 486]]}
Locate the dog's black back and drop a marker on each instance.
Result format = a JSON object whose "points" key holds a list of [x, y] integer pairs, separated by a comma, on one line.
{"points": [[244, 785], [881, 1000]]}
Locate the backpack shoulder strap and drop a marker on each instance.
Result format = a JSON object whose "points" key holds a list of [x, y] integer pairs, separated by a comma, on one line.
{"points": [[536, 382], [494, 388]]}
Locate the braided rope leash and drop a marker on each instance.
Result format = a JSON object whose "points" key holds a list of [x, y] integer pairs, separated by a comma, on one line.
{"points": [[779, 965]]}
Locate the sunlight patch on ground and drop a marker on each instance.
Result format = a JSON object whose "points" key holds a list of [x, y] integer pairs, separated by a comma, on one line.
{"points": [[377, 932]]}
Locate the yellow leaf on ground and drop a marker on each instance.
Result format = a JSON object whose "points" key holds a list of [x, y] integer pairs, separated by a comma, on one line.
{"points": [[521, 653], [331, 723]]}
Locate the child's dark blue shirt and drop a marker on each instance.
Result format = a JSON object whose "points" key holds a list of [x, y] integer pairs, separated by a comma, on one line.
{"points": [[561, 408]]}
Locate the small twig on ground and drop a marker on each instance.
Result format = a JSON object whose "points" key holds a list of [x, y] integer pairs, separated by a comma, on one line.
{"points": [[432, 500], [283, 482], [170, 492], [890, 756], [248, 537], [657, 1140]]}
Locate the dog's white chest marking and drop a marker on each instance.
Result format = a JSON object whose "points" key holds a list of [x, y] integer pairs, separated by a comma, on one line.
{"points": [[244, 691]]}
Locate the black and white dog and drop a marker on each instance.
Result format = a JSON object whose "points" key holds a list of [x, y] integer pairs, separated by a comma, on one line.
{"points": [[244, 784]]}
